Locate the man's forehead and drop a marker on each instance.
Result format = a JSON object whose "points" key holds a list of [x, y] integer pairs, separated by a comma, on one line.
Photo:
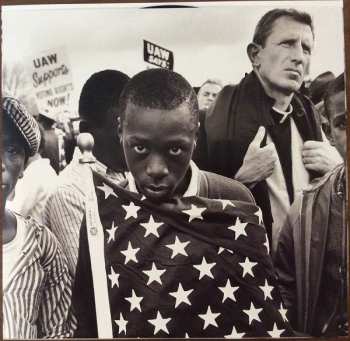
{"points": [[211, 87], [179, 113], [279, 26]]}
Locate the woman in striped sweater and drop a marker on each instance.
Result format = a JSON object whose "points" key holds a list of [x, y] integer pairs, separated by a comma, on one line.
{"points": [[36, 281]]}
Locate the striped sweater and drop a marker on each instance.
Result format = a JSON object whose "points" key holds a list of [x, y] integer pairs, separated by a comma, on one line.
{"points": [[37, 297]]}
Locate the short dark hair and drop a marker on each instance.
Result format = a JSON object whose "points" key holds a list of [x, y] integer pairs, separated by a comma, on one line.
{"points": [[99, 96], [319, 85], [334, 87], [159, 89], [265, 25]]}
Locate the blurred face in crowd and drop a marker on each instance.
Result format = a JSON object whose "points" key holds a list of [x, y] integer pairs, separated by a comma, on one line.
{"points": [[13, 160], [158, 146], [338, 122], [107, 148], [283, 61], [207, 94]]}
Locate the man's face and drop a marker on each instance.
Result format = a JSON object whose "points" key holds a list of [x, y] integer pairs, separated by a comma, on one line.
{"points": [[13, 158], [158, 146], [338, 121], [207, 94], [283, 62]]}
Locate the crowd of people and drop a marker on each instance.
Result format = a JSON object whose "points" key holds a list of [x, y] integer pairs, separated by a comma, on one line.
{"points": [[219, 213]]}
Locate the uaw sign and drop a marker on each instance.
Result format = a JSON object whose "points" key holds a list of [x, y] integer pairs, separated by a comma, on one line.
{"points": [[51, 77], [157, 55]]}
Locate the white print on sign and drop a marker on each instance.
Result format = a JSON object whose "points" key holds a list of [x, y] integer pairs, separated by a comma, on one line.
{"points": [[157, 55]]}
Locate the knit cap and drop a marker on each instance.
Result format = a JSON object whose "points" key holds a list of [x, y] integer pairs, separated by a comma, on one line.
{"points": [[24, 122]]}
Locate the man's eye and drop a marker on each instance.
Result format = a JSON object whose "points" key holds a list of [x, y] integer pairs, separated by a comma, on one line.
{"points": [[175, 151], [140, 149], [287, 43], [307, 50]]}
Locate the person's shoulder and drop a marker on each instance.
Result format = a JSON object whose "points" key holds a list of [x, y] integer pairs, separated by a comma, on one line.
{"points": [[71, 178], [221, 187]]}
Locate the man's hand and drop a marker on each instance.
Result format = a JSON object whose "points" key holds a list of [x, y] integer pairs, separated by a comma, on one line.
{"points": [[259, 162], [320, 156]]}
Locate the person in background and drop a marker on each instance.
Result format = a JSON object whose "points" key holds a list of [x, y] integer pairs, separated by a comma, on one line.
{"points": [[263, 132], [35, 278], [207, 93], [312, 253], [35, 187], [317, 90], [51, 148], [98, 107], [206, 96]]}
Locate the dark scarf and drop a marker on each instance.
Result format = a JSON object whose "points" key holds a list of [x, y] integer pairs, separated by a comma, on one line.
{"points": [[233, 121]]}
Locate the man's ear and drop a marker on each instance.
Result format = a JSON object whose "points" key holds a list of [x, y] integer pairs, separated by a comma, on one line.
{"points": [[119, 129], [253, 51]]}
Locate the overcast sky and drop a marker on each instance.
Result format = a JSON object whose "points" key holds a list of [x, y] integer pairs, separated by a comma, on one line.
{"points": [[209, 41]]}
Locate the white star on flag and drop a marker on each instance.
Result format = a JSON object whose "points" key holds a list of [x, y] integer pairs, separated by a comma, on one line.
{"points": [[275, 332], [151, 227], [181, 295], [160, 323], [204, 268], [229, 291], [130, 253], [283, 312], [178, 247], [209, 318], [267, 290], [121, 324], [194, 213], [267, 244], [131, 210], [253, 313], [111, 232], [238, 228], [247, 266], [222, 249], [135, 301], [226, 203], [107, 190], [114, 278], [234, 334], [154, 274]]}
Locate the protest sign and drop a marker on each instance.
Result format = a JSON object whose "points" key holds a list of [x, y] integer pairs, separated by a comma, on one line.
{"points": [[51, 77], [157, 55]]}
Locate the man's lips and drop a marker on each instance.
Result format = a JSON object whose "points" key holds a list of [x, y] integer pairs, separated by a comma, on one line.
{"points": [[156, 190], [295, 71]]}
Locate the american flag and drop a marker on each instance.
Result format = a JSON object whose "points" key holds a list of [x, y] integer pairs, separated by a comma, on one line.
{"points": [[192, 267]]}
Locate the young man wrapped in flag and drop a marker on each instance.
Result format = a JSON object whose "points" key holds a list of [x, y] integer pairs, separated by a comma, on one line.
{"points": [[176, 252]]}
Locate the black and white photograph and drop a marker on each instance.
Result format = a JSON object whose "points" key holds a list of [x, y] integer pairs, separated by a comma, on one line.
{"points": [[174, 170]]}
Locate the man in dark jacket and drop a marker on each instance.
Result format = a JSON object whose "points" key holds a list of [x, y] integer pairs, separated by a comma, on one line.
{"points": [[311, 258], [264, 133]]}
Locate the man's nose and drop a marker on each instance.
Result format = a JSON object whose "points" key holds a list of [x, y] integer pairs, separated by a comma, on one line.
{"points": [[298, 54], [156, 167]]}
